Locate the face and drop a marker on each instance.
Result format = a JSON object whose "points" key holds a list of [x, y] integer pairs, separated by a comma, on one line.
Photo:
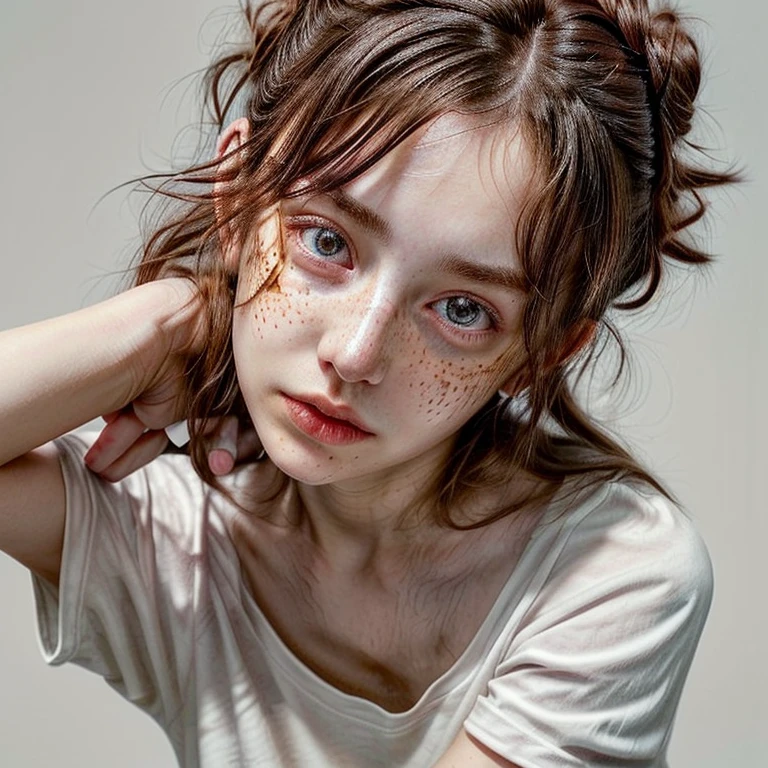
{"points": [[397, 311]]}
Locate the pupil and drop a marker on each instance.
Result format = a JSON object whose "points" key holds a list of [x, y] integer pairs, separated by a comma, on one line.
{"points": [[327, 242], [461, 311]]}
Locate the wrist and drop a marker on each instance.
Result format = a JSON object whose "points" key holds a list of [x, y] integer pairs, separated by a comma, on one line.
{"points": [[158, 321]]}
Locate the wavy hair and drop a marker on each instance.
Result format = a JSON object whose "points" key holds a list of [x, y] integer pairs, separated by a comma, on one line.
{"points": [[603, 92]]}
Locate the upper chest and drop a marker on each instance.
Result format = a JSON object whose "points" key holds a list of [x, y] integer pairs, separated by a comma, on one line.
{"points": [[385, 639]]}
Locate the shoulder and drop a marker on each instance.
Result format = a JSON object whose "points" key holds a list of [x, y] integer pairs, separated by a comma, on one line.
{"points": [[165, 500], [167, 505], [634, 522], [596, 659], [627, 543], [169, 478]]}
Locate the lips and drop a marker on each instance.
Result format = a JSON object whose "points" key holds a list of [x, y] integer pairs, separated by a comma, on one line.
{"points": [[337, 412], [325, 421]]}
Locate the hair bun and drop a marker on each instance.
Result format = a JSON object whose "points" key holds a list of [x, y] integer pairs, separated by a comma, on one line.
{"points": [[675, 72]]}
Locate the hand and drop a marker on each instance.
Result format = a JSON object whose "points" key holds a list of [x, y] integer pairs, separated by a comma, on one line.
{"points": [[125, 445], [135, 433]]}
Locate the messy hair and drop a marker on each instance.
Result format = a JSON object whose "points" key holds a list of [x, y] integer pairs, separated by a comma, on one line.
{"points": [[602, 92]]}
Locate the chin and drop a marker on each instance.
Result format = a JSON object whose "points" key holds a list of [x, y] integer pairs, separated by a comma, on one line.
{"points": [[315, 465]]}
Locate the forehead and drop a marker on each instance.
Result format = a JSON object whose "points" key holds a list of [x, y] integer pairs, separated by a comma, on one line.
{"points": [[446, 141], [467, 174]]}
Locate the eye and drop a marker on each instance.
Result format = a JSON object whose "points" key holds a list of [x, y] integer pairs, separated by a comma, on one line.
{"points": [[325, 243], [465, 313]]}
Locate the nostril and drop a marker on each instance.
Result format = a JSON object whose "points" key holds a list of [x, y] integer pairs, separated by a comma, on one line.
{"points": [[358, 356], [357, 339]]}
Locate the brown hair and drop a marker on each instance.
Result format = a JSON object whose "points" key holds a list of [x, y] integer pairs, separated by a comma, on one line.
{"points": [[603, 92]]}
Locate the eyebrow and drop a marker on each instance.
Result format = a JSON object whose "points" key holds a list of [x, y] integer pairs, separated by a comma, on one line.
{"points": [[367, 218], [480, 273]]}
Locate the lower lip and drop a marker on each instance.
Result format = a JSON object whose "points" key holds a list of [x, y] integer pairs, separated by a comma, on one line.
{"points": [[324, 429]]}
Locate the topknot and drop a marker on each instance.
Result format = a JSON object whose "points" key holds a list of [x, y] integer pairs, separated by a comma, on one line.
{"points": [[675, 71], [603, 94]]}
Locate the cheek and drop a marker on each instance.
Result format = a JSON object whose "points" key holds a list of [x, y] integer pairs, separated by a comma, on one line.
{"points": [[261, 260], [277, 311], [449, 390]]}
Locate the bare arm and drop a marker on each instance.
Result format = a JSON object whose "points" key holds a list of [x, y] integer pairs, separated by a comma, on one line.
{"points": [[467, 752], [63, 372]]}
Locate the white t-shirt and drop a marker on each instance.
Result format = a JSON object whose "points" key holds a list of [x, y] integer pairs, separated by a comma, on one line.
{"points": [[580, 662]]}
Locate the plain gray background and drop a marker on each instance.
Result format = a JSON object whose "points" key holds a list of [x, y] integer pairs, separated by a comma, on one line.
{"points": [[87, 104]]}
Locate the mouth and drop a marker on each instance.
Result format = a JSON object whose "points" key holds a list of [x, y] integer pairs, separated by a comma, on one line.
{"points": [[324, 421]]}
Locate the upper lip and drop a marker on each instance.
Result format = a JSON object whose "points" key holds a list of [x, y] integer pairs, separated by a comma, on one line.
{"points": [[334, 410]]}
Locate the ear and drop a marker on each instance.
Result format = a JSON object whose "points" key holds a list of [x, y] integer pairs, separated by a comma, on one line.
{"points": [[233, 137], [581, 334], [230, 140]]}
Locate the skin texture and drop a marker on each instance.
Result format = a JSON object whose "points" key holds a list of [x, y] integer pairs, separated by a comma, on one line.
{"points": [[467, 752], [383, 306], [368, 323]]}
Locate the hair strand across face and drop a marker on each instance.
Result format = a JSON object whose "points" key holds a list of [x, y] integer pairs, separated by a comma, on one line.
{"points": [[603, 95]]}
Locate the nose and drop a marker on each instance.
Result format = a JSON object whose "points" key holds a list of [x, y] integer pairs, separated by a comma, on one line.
{"points": [[356, 343]]}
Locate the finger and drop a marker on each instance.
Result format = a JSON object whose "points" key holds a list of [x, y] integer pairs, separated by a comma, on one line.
{"points": [[114, 440], [222, 446], [144, 450], [111, 416]]}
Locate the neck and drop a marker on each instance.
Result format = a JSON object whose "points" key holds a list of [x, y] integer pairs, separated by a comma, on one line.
{"points": [[356, 524]]}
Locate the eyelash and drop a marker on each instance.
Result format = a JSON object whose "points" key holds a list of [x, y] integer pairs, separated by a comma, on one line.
{"points": [[299, 225], [494, 321]]}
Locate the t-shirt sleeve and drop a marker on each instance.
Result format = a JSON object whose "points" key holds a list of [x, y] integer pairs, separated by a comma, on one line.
{"points": [[125, 602], [594, 673]]}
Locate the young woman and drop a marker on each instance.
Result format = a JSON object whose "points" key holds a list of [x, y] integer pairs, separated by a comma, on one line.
{"points": [[376, 300]]}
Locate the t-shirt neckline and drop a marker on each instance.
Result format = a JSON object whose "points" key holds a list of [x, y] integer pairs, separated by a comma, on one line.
{"points": [[458, 675]]}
